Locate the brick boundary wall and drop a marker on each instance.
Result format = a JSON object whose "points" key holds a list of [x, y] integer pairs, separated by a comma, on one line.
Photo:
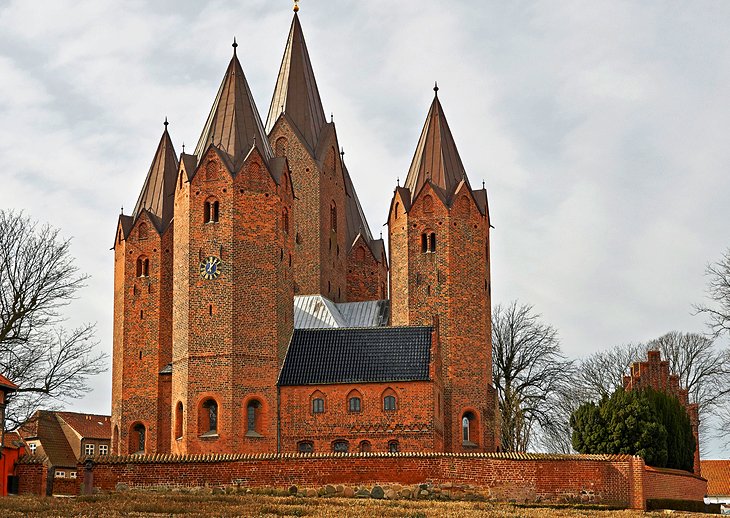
{"points": [[32, 478], [615, 480], [673, 484]]}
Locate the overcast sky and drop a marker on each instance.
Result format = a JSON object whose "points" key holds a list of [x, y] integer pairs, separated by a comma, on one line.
{"points": [[600, 129]]}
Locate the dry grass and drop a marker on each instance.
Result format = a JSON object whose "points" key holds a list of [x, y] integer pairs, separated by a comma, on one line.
{"points": [[133, 504]]}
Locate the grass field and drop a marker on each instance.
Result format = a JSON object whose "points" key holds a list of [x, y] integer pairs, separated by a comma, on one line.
{"points": [[134, 504]]}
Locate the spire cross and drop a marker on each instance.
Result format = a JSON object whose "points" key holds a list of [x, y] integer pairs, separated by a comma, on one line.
{"points": [[296, 6]]}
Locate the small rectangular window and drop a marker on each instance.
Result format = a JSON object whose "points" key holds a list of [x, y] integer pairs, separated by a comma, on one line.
{"points": [[89, 449], [60, 474], [32, 447], [354, 404], [72, 474], [103, 449]]}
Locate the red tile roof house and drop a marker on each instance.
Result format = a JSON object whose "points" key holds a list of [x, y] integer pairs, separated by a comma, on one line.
{"points": [[717, 473], [63, 439]]}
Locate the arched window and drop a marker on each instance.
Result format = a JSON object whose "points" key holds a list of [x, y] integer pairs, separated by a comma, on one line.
{"points": [[354, 401], [280, 146], [305, 446], [389, 403], [137, 439], [208, 419], [143, 266], [428, 242], [397, 207], [142, 231], [211, 211], [469, 432], [340, 446], [424, 243], [432, 242], [318, 405], [179, 420], [333, 217], [253, 419], [285, 220], [365, 447], [393, 446], [428, 203]]}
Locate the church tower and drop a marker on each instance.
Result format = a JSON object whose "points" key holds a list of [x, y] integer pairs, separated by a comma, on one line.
{"points": [[143, 258], [233, 282], [335, 253], [439, 252]]}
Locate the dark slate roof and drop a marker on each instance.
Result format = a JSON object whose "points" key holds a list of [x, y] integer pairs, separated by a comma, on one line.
{"points": [[364, 355], [296, 92], [157, 195], [436, 158]]}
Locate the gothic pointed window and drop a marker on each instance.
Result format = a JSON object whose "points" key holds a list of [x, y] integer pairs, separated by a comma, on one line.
{"points": [[393, 446], [179, 420], [469, 429], [365, 447], [432, 242]]}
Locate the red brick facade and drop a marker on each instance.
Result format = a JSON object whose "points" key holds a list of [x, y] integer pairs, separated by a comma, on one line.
{"points": [[197, 357], [615, 480], [654, 373]]}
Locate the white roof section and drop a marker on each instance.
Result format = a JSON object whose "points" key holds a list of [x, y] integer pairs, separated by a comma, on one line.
{"points": [[316, 312]]}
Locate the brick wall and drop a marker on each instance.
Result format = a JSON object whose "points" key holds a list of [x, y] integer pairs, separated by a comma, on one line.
{"points": [[33, 478], [415, 423], [673, 484], [66, 486], [617, 480]]}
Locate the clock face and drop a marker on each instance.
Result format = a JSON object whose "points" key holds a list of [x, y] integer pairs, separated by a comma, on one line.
{"points": [[210, 268]]}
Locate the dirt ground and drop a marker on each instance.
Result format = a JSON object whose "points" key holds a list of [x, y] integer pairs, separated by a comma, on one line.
{"points": [[133, 504]]}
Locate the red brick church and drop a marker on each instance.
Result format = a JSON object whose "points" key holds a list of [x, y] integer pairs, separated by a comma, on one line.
{"points": [[254, 311]]}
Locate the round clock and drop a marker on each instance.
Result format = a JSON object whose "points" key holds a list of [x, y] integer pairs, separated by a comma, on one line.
{"points": [[210, 268]]}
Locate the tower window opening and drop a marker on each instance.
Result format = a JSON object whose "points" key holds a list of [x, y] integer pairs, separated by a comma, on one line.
{"points": [[432, 242], [333, 217], [469, 429], [137, 439], [211, 211], [354, 404], [179, 420], [318, 406], [393, 446], [424, 243]]}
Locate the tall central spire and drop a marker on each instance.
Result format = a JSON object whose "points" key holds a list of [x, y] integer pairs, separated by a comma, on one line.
{"points": [[234, 124], [296, 92], [157, 195], [436, 158]]}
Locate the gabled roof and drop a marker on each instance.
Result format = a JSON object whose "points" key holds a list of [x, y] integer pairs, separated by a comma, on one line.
{"points": [[158, 191], [436, 158], [88, 426], [365, 355], [296, 92], [234, 124], [717, 473], [7, 384], [45, 427], [12, 440]]}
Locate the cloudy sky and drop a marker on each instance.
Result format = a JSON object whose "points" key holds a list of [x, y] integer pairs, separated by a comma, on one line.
{"points": [[600, 129]]}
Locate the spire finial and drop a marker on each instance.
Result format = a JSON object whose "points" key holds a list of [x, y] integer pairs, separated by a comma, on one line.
{"points": [[397, 181], [332, 117], [483, 185], [165, 123], [436, 88], [235, 45], [183, 146], [121, 211], [342, 152], [296, 6]]}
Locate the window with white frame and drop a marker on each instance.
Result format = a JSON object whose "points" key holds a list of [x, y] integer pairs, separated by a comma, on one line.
{"points": [[103, 449], [89, 449], [60, 474], [32, 447], [72, 474]]}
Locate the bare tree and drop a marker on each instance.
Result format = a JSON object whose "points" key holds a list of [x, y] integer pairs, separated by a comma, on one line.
{"points": [[718, 290], [601, 373], [529, 371], [38, 277]]}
